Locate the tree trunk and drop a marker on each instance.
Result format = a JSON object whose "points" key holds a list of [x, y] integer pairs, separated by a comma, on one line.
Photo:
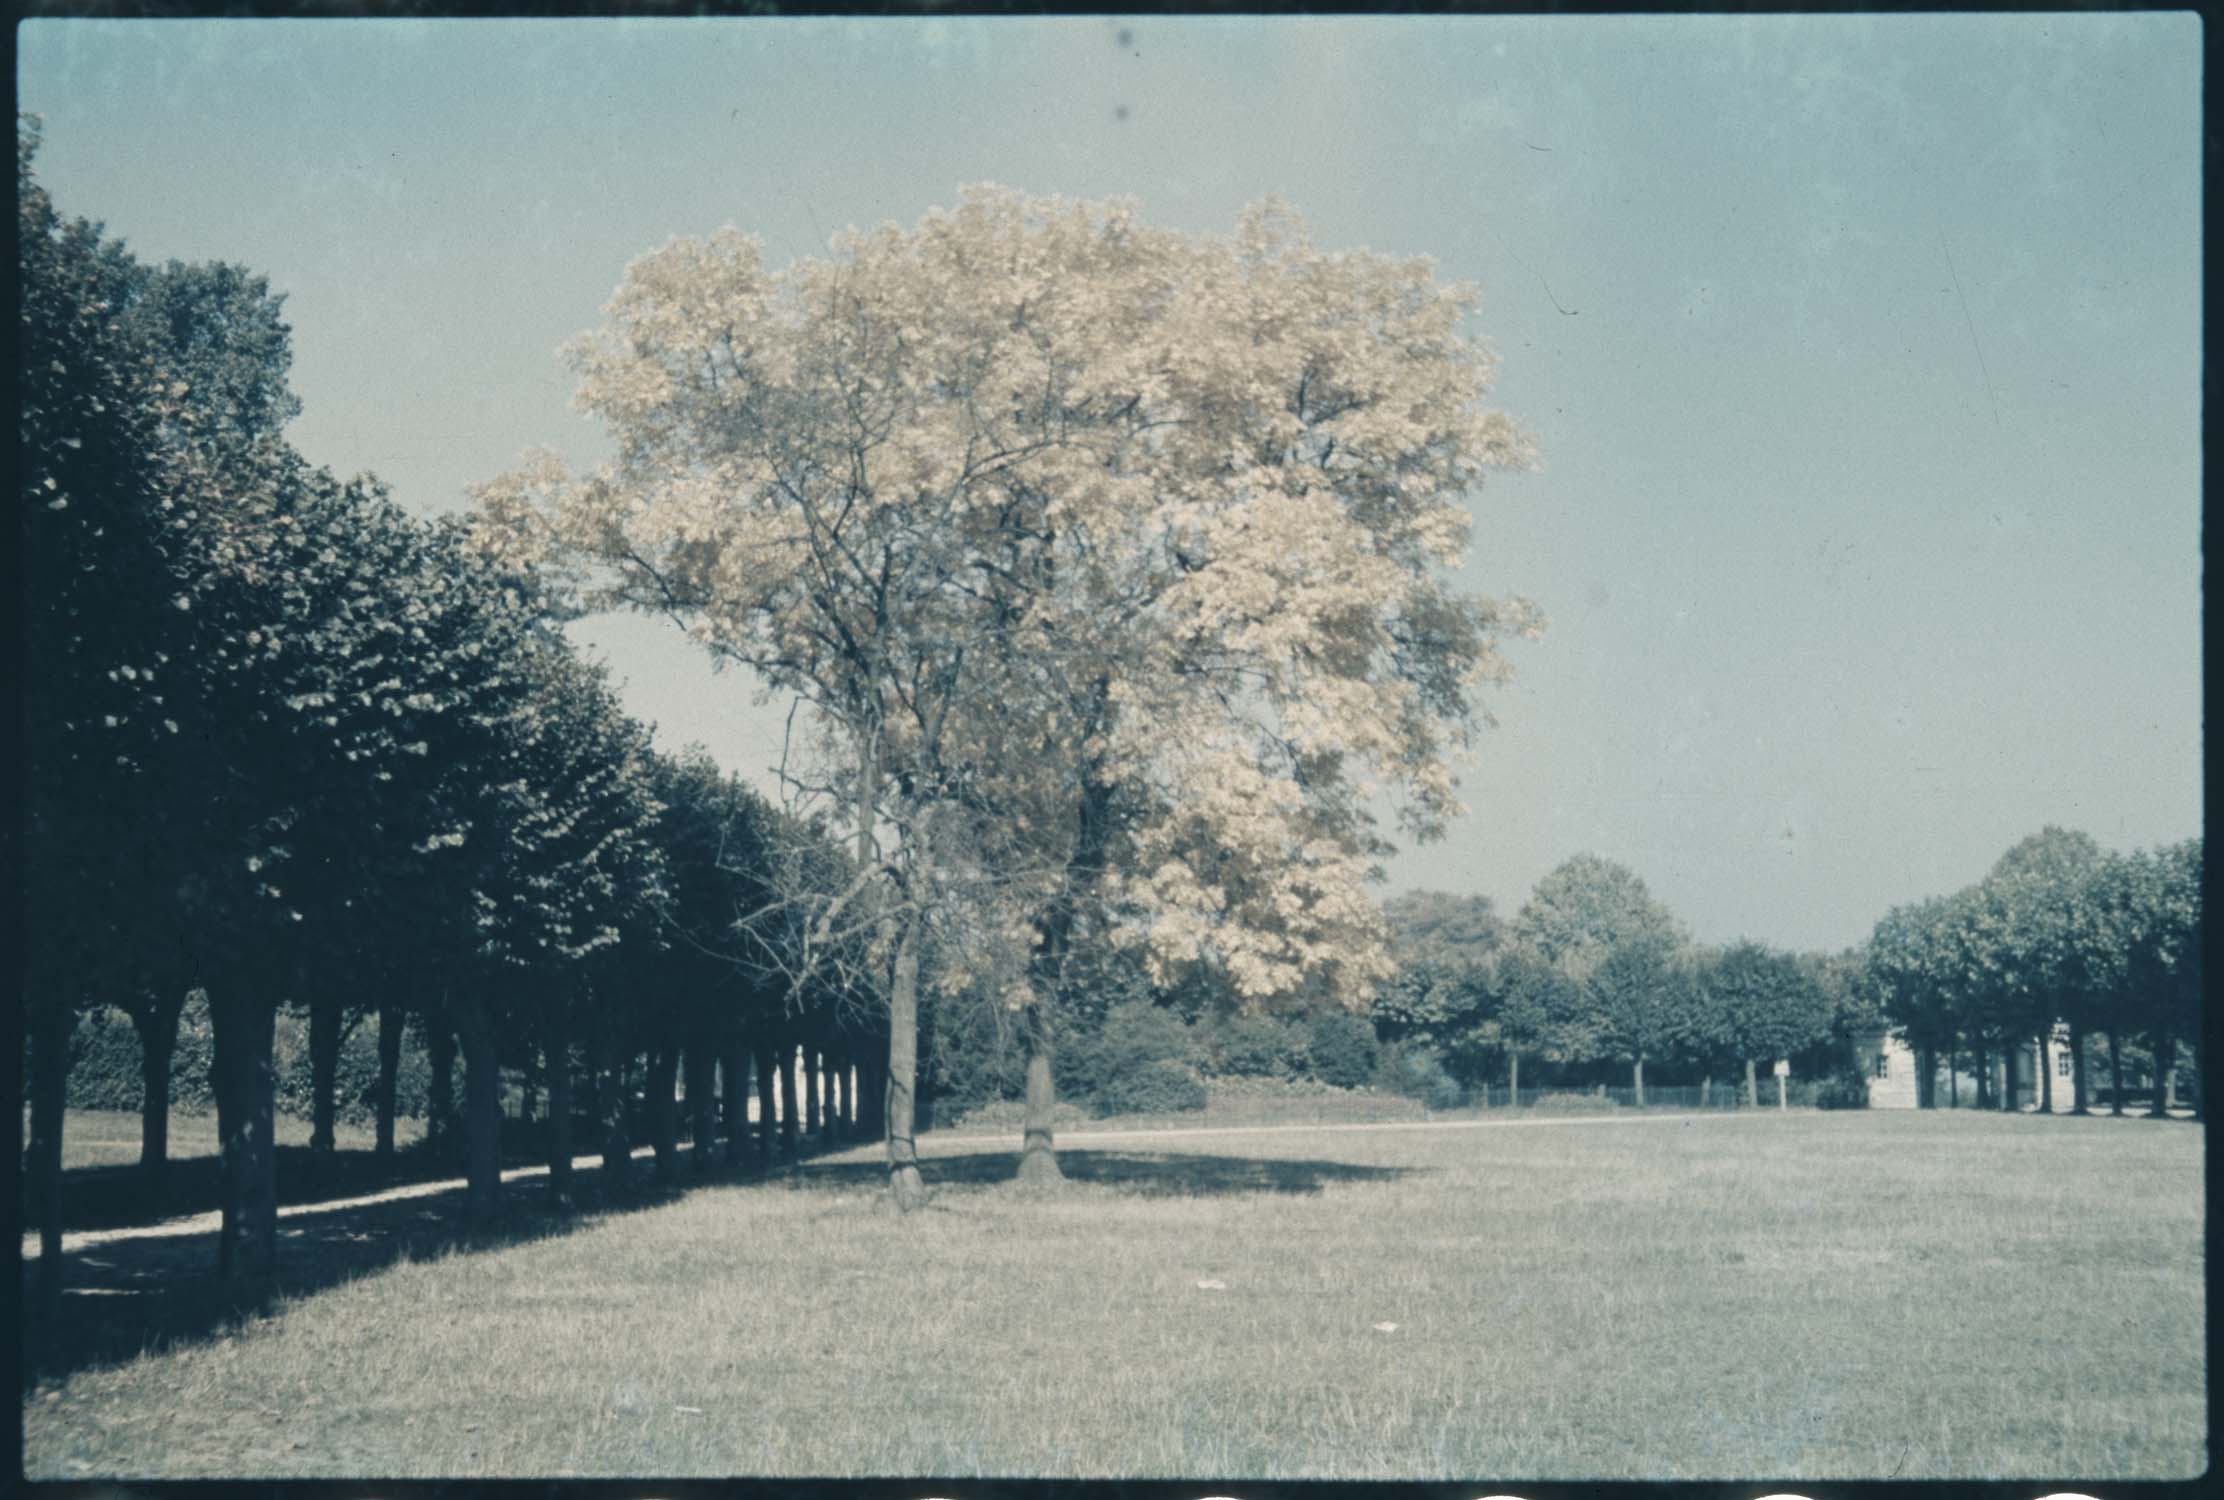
{"points": [[2008, 1091], [872, 1090], [1038, 1155], [1513, 1080], [1980, 1066], [791, 1100], [482, 1104], [663, 1110], [2081, 1089], [51, 1024], [733, 1095], [837, 1096], [1926, 1078], [1706, 1089], [558, 1015], [440, 1090], [1752, 1087], [2165, 1063], [158, 1046], [768, 1119], [1637, 1081], [324, 1066], [2046, 1077], [1953, 1078], [1782, 1102], [814, 1093], [702, 1106], [905, 1187], [1038, 1152], [245, 1017], [610, 1105], [2115, 1076], [390, 1024]]}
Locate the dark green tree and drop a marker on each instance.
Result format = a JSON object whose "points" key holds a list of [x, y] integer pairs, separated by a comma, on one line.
{"points": [[1767, 1006]]}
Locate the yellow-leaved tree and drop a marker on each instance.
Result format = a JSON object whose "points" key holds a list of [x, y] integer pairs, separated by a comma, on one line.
{"points": [[1113, 560]]}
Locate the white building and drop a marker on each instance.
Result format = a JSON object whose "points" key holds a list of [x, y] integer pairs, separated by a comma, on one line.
{"points": [[1889, 1065]]}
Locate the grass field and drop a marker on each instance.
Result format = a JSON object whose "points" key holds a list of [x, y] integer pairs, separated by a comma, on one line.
{"points": [[1801, 1296], [110, 1138]]}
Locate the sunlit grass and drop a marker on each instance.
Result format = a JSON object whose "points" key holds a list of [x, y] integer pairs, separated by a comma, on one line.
{"points": [[110, 1137], [1740, 1296]]}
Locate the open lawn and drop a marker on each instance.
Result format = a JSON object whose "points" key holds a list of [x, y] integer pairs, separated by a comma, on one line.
{"points": [[1743, 1295], [110, 1138]]}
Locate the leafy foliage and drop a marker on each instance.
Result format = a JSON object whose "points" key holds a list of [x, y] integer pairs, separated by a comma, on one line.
{"points": [[1341, 1048], [1159, 1086], [1416, 1072]]}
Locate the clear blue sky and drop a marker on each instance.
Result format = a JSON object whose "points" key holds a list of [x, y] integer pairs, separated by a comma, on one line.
{"points": [[1864, 353]]}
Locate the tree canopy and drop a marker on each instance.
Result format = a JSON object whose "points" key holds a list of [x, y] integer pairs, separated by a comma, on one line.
{"points": [[1044, 509]]}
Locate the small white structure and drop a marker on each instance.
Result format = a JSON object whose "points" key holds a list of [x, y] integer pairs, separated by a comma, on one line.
{"points": [[2061, 1069], [1889, 1065]]}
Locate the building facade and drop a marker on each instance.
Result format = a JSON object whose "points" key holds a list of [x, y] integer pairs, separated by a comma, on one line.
{"points": [[1890, 1067]]}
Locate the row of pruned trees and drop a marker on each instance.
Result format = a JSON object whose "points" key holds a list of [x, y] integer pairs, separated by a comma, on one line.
{"points": [[289, 745], [1595, 971], [2061, 936]]}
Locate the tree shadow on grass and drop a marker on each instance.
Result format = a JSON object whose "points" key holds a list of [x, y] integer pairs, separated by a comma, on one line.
{"points": [[1147, 1174], [110, 1197], [152, 1289]]}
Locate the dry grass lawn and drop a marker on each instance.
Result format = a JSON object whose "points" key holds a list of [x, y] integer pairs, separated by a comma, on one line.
{"points": [[1802, 1296]]}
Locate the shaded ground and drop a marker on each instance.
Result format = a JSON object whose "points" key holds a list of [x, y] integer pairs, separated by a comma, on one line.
{"points": [[109, 1197], [1148, 1174], [154, 1290]]}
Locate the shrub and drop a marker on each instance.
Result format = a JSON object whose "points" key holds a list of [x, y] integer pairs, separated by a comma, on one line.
{"points": [[104, 1061], [1011, 1114], [1134, 1034], [1159, 1086], [1573, 1103], [104, 1066], [1844, 1089], [970, 1069], [1416, 1072], [1258, 1046], [1341, 1048]]}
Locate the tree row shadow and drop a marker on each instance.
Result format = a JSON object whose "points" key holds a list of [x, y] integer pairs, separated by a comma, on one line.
{"points": [[155, 1291]]}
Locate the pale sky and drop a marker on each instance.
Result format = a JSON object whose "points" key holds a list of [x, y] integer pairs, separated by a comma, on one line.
{"points": [[1863, 352]]}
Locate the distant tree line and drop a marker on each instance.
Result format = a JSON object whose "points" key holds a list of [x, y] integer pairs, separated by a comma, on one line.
{"points": [[1593, 975], [1593, 979]]}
